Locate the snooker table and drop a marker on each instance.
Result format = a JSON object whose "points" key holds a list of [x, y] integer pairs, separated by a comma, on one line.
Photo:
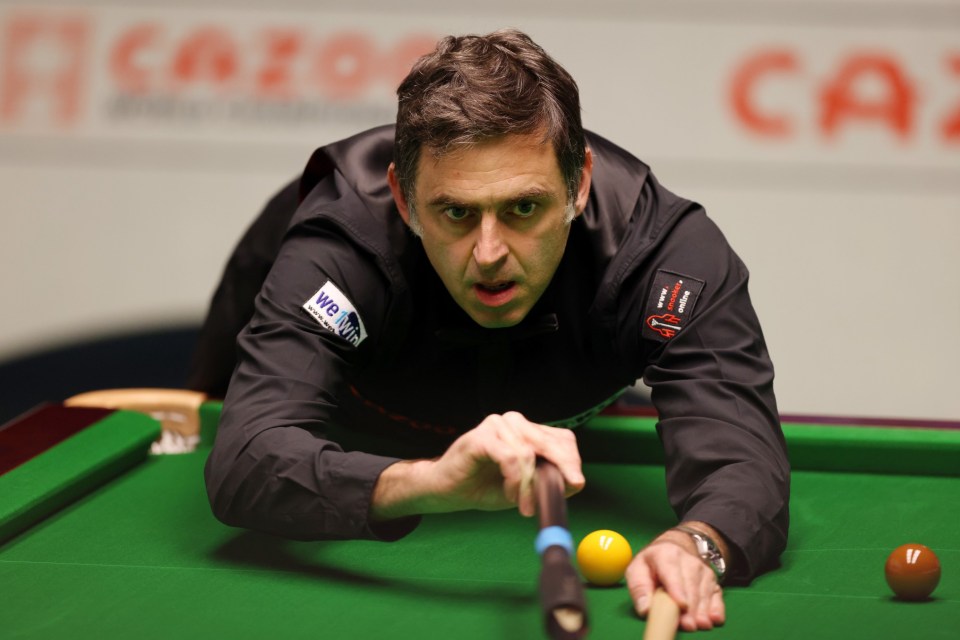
{"points": [[139, 554]]}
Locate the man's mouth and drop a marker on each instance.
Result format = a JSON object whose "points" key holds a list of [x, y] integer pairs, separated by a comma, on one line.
{"points": [[495, 287], [495, 294]]}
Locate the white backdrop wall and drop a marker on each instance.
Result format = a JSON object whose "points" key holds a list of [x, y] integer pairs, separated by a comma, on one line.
{"points": [[138, 139]]}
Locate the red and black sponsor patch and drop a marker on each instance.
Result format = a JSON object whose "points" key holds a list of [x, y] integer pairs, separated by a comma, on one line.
{"points": [[670, 305]]}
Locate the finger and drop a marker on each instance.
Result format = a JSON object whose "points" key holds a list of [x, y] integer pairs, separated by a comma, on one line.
{"points": [[526, 498], [640, 584], [518, 466], [708, 584], [493, 447], [701, 584], [560, 447], [718, 609], [691, 584], [557, 445], [691, 573], [669, 570]]}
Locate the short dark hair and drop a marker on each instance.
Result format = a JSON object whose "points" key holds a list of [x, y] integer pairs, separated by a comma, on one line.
{"points": [[472, 88]]}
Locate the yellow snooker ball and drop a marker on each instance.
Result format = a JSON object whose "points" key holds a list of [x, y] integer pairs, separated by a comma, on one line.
{"points": [[603, 557]]}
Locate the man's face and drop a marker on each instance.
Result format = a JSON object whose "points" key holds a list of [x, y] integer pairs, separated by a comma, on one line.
{"points": [[492, 220]]}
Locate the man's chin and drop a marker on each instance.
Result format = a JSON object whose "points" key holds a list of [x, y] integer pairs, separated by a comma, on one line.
{"points": [[493, 320]]}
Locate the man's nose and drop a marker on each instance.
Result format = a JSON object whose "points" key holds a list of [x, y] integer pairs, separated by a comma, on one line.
{"points": [[490, 249]]}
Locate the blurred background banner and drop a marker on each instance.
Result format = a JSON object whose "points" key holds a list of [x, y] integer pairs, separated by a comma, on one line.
{"points": [[139, 139]]}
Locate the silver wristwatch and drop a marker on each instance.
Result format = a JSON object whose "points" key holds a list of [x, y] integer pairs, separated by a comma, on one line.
{"points": [[708, 550]]}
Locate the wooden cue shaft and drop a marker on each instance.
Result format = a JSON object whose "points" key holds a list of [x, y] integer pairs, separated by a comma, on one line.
{"points": [[663, 617], [561, 591], [551, 502]]}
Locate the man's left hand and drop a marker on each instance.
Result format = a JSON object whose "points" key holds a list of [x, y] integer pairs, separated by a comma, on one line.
{"points": [[671, 561]]}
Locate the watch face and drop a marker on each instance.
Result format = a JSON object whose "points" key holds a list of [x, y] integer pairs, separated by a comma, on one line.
{"points": [[710, 554], [720, 566]]}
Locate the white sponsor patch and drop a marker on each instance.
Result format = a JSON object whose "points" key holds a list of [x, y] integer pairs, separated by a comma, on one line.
{"points": [[336, 313]]}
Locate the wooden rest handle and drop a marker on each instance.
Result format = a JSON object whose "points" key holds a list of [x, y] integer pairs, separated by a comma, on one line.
{"points": [[177, 410]]}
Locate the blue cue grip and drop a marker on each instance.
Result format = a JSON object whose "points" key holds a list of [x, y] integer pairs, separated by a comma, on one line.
{"points": [[553, 536]]}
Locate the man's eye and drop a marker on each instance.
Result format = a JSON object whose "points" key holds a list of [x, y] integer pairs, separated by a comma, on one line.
{"points": [[524, 209], [456, 213]]}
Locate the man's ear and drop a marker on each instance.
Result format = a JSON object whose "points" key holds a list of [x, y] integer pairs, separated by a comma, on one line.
{"points": [[398, 193], [583, 193]]}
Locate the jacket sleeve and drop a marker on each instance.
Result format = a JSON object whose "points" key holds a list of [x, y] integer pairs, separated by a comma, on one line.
{"points": [[273, 467], [231, 307], [712, 385]]}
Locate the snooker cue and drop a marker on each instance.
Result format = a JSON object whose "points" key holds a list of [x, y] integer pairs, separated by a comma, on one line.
{"points": [[561, 591], [663, 617]]}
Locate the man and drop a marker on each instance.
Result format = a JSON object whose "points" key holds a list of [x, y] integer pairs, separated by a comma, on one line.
{"points": [[546, 271]]}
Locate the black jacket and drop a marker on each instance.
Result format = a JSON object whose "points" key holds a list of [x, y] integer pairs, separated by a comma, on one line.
{"points": [[648, 287]]}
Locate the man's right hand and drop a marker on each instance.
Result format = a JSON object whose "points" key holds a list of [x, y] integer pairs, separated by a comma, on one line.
{"points": [[491, 467]]}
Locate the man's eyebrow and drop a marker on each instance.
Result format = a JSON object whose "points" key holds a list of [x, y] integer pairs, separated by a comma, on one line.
{"points": [[443, 200], [535, 193]]}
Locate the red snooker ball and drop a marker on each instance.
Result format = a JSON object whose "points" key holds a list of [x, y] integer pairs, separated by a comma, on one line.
{"points": [[912, 571]]}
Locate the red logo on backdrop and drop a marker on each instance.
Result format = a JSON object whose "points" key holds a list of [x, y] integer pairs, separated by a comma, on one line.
{"points": [[864, 88], [275, 75], [950, 127], [43, 66], [271, 63], [165, 72]]}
